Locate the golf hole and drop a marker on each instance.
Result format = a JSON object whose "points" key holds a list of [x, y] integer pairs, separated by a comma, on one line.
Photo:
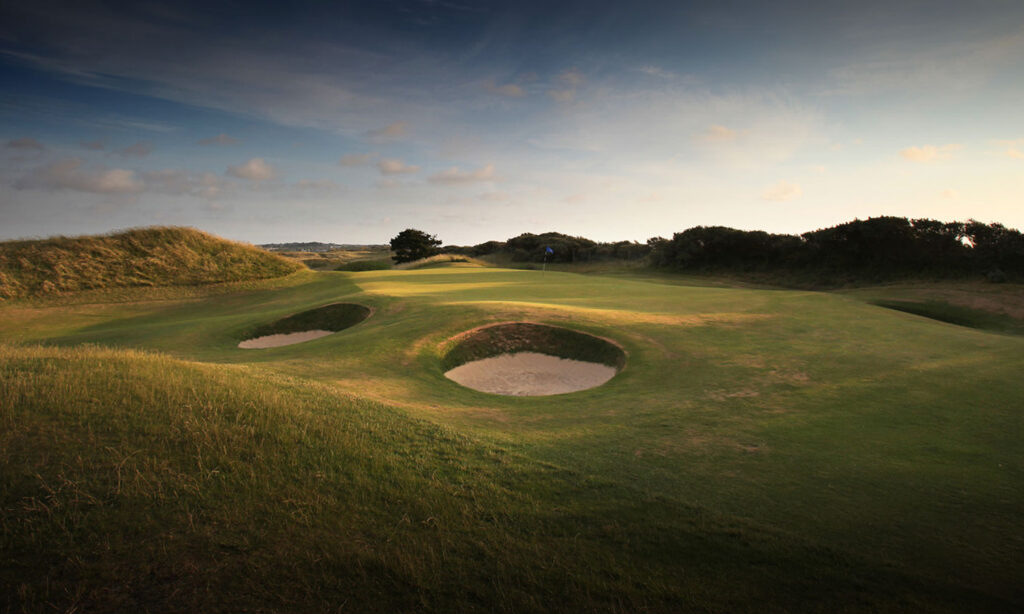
{"points": [[306, 326], [527, 359]]}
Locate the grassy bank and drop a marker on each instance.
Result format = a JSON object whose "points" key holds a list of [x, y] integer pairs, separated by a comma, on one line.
{"points": [[141, 257]]}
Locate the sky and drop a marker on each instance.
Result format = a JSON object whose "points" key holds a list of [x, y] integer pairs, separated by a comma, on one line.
{"points": [[348, 122]]}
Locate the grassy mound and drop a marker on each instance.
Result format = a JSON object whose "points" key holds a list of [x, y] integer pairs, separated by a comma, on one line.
{"points": [[135, 482], [440, 260], [155, 256], [529, 337], [338, 316]]}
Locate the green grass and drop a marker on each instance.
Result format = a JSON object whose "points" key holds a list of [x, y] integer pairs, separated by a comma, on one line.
{"points": [[761, 450], [365, 265]]}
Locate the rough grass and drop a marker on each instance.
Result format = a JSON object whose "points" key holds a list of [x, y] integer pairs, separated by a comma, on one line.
{"points": [[513, 337], [135, 482], [338, 316], [158, 256], [442, 260]]}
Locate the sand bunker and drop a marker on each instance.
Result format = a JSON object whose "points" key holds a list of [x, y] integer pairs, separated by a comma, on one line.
{"points": [[274, 341], [529, 374], [530, 359], [306, 325]]}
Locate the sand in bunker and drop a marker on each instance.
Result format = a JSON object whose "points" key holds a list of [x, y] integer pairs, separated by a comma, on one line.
{"points": [[528, 374], [273, 341]]}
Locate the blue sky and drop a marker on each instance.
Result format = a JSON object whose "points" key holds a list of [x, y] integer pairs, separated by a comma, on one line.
{"points": [[350, 121]]}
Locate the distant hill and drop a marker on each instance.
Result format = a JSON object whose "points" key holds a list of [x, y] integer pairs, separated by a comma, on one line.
{"points": [[316, 246], [157, 256]]}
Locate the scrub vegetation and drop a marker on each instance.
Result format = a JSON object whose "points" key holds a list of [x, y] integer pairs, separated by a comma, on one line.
{"points": [[141, 257], [764, 450]]}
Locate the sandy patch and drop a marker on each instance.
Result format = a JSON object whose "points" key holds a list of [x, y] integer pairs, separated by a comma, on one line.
{"points": [[527, 374], [273, 341]]}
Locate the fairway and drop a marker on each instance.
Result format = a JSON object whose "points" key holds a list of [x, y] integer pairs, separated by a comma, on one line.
{"points": [[759, 450]]}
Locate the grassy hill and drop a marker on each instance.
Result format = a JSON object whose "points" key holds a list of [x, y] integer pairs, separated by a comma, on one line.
{"points": [[140, 257], [762, 450]]}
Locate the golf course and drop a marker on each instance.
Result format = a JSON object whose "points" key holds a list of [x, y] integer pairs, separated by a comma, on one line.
{"points": [[758, 449]]}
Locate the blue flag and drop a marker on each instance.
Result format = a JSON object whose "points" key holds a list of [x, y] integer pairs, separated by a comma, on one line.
{"points": [[548, 250]]}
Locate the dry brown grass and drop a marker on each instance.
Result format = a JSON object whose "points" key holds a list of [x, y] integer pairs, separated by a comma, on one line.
{"points": [[157, 256]]}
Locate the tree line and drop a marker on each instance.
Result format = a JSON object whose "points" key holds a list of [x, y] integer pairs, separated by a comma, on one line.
{"points": [[875, 249]]}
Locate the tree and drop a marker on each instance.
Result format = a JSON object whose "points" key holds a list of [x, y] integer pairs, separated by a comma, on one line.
{"points": [[412, 244]]}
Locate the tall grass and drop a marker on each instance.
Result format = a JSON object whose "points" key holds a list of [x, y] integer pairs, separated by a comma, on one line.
{"points": [[158, 256], [136, 482]]}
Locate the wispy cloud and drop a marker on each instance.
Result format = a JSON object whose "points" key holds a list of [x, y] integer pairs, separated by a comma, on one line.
{"points": [[137, 150], [356, 159], [929, 153], [566, 85], [717, 133], [70, 174], [220, 139], [782, 191], [25, 144], [316, 185], [1014, 147], [508, 90], [394, 166], [93, 145], [183, 182], [390, 132], [454, 175], [255, 169]]}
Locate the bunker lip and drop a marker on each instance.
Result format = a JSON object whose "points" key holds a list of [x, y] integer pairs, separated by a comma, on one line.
{"points": [[530, 359], [306, 325]]}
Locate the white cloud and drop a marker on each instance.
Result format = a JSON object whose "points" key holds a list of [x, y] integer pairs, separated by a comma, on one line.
{"points": [[393, 131], [25, 144], [393, 166], [929, 153], [356, 159], [255, 169], [138, 150], [177, 182], [69, 175], [220, 139], [782, 191], [454, 175], [509, 90]]}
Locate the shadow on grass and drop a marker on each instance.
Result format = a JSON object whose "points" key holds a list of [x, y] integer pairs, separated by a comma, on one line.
{"points": [[961, 316]]}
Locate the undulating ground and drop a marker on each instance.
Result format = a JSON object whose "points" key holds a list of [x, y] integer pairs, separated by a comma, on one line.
{"points": [[762, 450]]}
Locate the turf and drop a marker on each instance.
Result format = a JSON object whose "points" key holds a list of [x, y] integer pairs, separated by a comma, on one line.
{"points": [[761, 450]]}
